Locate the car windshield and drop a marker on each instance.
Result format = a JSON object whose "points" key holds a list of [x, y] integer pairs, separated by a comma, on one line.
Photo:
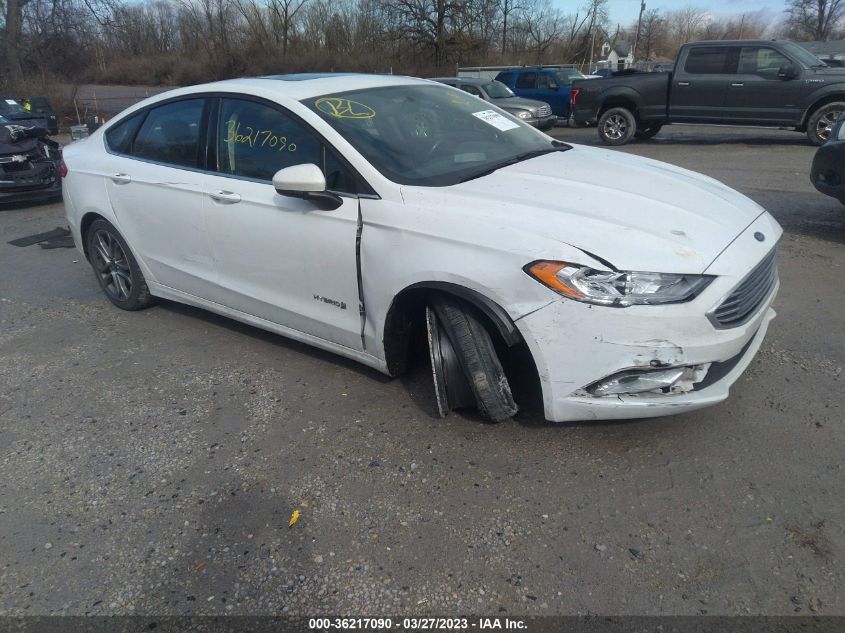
{"points": [[803, 55], [10, 106], [431, 135], [497, 90]]}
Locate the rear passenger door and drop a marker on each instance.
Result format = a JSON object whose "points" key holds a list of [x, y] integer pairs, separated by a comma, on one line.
{"points": [[155, 184], [756, 94], [699, 86], [526, 84]]}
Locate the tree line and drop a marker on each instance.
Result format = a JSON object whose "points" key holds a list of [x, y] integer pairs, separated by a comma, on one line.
{"points": [[188, 41]]}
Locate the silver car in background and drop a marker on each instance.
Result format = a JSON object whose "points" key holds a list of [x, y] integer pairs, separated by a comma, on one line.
{"points": [[533, 112]]}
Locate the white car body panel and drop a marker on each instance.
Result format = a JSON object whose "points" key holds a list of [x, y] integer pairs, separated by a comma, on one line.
{"points": [[284, 265], [286, 261]]}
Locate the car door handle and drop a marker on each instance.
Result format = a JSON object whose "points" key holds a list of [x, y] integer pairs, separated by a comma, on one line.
{"points": [[737, 85], [683, 83], [121, 179], [229, 197]]}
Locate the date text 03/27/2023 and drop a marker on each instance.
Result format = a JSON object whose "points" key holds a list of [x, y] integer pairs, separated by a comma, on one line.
{"points": [[416, 624]]}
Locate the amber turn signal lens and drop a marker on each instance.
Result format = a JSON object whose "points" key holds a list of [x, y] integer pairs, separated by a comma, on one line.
{"points": [[546, 273]]}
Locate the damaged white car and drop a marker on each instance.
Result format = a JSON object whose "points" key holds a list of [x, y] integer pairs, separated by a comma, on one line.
{"points": [[361, 213]]}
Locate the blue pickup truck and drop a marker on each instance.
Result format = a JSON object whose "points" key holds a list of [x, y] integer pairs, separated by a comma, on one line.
{"points": [[543, 83]]}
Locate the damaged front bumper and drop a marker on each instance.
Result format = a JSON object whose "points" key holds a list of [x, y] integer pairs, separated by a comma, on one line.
{"points": [[601, 363], [709, 370]]}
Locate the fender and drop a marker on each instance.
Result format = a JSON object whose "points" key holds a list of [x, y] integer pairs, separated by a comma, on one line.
{"points": [[395, 332], [833, 92], [620, 93]]}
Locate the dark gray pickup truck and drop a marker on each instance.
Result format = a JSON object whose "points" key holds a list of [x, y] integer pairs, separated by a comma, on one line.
{"points": [[746, 82]]}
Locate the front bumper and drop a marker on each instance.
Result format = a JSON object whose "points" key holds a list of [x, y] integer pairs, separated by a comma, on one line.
{"points": [[543, 123], [574, 344]]}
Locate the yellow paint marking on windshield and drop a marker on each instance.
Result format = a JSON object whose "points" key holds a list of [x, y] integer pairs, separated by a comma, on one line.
{"points": [[344, 108]]}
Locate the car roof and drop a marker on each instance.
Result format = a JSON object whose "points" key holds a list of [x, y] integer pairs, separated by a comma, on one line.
{"points": [[301, 86], [476, 81], [736, 42]]}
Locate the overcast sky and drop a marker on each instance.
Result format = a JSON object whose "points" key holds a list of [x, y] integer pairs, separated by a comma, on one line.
{"points": [[626, 11]]}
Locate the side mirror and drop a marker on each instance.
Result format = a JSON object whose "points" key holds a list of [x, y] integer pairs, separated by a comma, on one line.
{"points": [[788, 71], [306, 181], [553, 85]]}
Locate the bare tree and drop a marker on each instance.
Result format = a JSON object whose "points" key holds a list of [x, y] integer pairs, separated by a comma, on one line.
{"points": [[813, 19], [652, 33]]}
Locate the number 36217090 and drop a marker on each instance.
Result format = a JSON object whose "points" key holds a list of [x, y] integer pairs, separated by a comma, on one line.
{"points": [[256, 138]]}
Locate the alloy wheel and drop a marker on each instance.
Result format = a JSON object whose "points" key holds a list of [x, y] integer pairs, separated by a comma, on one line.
{"points": [[615, 127], [825, 124], [111, 265]]}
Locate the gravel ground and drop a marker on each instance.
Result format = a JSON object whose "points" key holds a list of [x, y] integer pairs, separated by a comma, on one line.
{"points": [[150, 461]]}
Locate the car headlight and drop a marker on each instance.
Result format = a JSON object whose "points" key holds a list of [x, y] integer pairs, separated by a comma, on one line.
{"points": [[523, 114], [616, 288]]}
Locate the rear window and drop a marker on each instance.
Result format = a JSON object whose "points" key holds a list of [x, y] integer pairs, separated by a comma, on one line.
{"points": [[707, 60], [119, 137], [170, 133], [526, 80]]}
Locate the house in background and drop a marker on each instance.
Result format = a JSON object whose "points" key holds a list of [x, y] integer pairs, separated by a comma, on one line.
{"points": [[617, 56]]}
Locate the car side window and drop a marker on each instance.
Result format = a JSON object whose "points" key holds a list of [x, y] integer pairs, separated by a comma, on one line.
{"points": [[119, 137], [257, 140], [546, 81], [707, 60], [762, 61], [505, 78], [526, 80], [471, 89], [171, 133]]}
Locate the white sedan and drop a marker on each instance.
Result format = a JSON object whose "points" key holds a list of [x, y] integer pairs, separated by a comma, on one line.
{"points": [[361, 213]]}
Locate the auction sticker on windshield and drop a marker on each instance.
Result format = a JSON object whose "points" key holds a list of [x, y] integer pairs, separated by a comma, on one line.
{"points": [[496, 120]]}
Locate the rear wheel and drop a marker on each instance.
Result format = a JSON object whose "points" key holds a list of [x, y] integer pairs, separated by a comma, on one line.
{"points": [[821, 121], [116, 269], [464, 362], [617, 126], [647, 131]]}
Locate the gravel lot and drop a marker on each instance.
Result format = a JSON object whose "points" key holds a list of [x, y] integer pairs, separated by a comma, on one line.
{"points": [[150, 462]]}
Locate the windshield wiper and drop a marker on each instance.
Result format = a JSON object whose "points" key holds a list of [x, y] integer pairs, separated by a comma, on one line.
{"points": [[557, 146]]}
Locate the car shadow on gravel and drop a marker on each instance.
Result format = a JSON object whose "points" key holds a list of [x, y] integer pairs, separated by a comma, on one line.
{"points": [[680, 139], [271, 338]]}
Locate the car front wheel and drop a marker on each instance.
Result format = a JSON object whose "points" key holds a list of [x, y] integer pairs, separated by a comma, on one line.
{"points": [[617, 126], [116, 269], [821, 122]]}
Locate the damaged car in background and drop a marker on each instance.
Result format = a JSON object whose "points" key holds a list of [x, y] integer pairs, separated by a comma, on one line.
{"points": [[307, 205], [30, 163]]}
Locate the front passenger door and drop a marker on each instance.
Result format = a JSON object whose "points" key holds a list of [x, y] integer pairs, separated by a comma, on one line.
{"points": [[756, 94], [279, 258]]}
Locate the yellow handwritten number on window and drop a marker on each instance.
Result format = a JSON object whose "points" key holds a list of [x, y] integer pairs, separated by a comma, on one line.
{"points": [[256, 138]]}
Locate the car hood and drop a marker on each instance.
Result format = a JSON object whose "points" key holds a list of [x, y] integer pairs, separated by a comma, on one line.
{"points": [[518, 103], [635, 213]]}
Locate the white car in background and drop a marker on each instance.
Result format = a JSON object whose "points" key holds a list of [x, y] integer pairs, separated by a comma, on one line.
{"points": [[357, 213]]}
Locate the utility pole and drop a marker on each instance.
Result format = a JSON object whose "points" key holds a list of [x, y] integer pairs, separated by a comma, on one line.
{"points": [[741, 25], [593, 36], [637, 38]]}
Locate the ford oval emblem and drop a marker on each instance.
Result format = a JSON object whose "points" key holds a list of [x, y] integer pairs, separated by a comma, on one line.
{"points": [[759, 236]]}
